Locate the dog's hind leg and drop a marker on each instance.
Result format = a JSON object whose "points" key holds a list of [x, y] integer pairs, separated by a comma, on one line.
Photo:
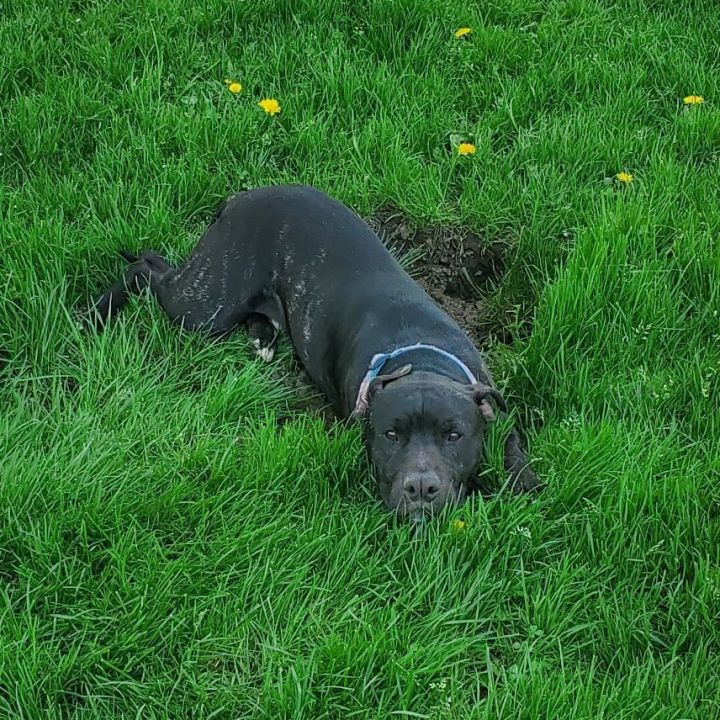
{"points": [[137, 276], [264, 333], [214, 290], [184, 299]]}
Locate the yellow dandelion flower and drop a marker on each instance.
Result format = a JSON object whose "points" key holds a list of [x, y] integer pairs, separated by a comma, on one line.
{"points": [[234, 87], [270, 105], [458, 525], [693, 99], [625, 177], [466, 149], [463, 32]]}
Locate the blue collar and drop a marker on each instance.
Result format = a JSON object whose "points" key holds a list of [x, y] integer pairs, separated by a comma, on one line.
{"points": [[379, 361]]}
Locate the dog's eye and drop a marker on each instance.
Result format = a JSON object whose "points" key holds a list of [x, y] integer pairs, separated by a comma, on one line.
{"points": [[453, 436], [391, 435]]}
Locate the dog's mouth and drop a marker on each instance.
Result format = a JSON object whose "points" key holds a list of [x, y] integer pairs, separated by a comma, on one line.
{"points": [[418, 512]]}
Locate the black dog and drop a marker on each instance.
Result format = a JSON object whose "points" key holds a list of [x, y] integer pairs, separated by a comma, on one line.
{"points": [[370, 338]]}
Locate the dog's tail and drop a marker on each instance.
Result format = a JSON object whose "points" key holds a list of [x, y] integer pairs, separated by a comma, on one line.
{"points": [[129, 256]]}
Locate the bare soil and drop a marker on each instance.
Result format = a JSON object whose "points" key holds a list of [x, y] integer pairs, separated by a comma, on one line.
{"points": [[454, 265]]}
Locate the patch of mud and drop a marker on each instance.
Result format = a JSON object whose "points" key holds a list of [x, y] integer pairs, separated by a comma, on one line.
{"points": [[455, 266]]}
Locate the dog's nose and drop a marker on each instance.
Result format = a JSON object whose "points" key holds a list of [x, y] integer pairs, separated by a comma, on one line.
{"points": [[421, 486]]}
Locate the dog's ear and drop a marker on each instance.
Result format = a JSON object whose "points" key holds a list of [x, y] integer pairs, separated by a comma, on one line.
{"points": [[482, 395], [381, 381]]}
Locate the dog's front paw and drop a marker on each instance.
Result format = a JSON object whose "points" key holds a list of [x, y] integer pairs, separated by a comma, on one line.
{"points": [[525, 481]]}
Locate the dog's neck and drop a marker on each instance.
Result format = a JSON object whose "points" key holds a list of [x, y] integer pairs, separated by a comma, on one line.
{"points": [[430, 360]]}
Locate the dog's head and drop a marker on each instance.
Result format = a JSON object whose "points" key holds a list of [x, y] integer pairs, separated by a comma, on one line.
{"points": [[425, 438]]}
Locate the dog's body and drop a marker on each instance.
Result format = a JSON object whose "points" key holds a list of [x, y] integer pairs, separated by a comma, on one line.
{"points": [[291, 257]]}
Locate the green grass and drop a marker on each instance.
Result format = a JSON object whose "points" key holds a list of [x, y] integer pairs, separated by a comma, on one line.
{"points": [[170, 549]]}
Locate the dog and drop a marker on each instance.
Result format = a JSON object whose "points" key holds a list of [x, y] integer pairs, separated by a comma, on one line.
{"points": [[292, 258]]}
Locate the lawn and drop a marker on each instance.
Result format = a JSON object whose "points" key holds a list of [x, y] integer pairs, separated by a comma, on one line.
{"points": [[181, 538]]}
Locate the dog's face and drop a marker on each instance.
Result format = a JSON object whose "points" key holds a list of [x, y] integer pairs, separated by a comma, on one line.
{"points": [[425, 439]]}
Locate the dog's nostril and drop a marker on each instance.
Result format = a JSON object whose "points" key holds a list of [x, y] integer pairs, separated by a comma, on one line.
{"points": [[430, 491], [411, 489]]}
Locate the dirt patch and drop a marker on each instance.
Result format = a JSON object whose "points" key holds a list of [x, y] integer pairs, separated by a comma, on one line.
{"points": [[456, 267]]}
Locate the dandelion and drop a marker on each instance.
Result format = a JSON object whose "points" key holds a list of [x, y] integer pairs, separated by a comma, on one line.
{"points": [[458, 525], [463, 32], [625, 178], [466, 149], [270, 105], [234, 87], [694, 100]]}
